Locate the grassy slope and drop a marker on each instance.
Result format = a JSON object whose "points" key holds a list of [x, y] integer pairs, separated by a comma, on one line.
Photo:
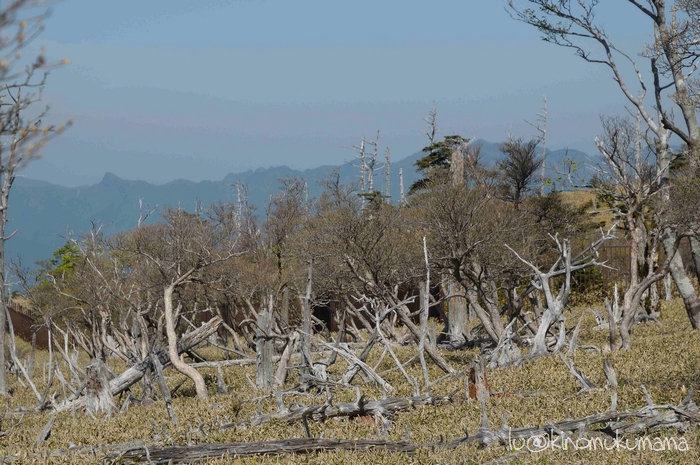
{"points": [[586, 197], [665, 358]]}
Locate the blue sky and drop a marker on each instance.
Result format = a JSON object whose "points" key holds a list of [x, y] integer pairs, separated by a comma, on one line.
{"points": [[168, 89]]}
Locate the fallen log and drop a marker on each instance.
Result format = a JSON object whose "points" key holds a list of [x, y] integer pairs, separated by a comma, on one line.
{"points": [[386, 407], [649, 418], [251, 361], [679, 417], [188, 454], [134, 373], [430, 349]]}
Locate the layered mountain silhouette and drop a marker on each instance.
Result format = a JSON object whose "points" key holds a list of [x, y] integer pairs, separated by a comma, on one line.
{"points": [[44, 214]]}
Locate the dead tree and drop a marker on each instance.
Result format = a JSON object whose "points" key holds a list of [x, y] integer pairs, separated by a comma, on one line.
{"points": [[611, 425], [362, 157], [387, 173], [187, 245], [372, 166], [287, 212], [541, 127], [424, 310], [264, 347], [98, 395], [24, 136], [306, 328], [465, 221], [565, 265], [135, 372], [630, 183], [670, 58]]}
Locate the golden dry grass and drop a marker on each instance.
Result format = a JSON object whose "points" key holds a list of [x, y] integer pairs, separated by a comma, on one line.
{"points": [[582, 197], [665, 358]]}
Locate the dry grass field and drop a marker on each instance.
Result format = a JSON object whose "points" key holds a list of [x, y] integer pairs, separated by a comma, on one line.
{"points": [[665, 359]]}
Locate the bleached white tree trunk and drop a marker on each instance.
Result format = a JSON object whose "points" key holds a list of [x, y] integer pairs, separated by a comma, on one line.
{"points": [[671, 59], [175, 359], [264, 348], [556, 300], [458, 314], [424, 311]]}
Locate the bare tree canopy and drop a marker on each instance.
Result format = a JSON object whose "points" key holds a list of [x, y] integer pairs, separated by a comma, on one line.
{"points": [[656, 80], [23, 135], [519, 168]]}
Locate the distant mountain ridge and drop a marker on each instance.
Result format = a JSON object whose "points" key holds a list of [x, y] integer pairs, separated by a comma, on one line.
{"points": [[44, 213]]}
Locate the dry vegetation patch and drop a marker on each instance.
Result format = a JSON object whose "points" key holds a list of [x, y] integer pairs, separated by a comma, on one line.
{"points": [[664, 359]]}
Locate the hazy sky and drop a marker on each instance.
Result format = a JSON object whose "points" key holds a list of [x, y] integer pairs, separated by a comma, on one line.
{"points": [[167, 89]]}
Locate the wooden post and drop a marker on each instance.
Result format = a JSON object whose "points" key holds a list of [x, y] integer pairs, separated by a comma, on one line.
{"points": [[458, 316], [264, 349], [306, 328]]}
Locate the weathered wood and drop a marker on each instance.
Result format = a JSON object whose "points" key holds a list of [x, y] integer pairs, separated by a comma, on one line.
{"points": [[136, 371], [424, 312], [574, 338], [477, 384], [354, 368], [186, 342], [586, 384], [344, 351], [646, 419], [163, 387], [506, 351], [188, 454], [282, 368], [612, 322], [98, 396], [46, 431], [402, 312], [323, 412], [221, 386], [239, 362], [264, 349], [170, 330], [639, 421], [459, 315], [251, 361], [565, 265], [610, 375], [306, 329]]}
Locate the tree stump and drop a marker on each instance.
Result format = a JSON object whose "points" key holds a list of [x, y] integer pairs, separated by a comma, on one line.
{"points": [[264, 350], [98, 393]]}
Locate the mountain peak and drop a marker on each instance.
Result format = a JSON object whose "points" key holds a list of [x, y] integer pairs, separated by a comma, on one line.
{"points": [[43, 212], [111, 179]]}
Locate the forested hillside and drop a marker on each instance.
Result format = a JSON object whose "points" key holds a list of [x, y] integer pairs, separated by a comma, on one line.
{"points": [[45, 214]]}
